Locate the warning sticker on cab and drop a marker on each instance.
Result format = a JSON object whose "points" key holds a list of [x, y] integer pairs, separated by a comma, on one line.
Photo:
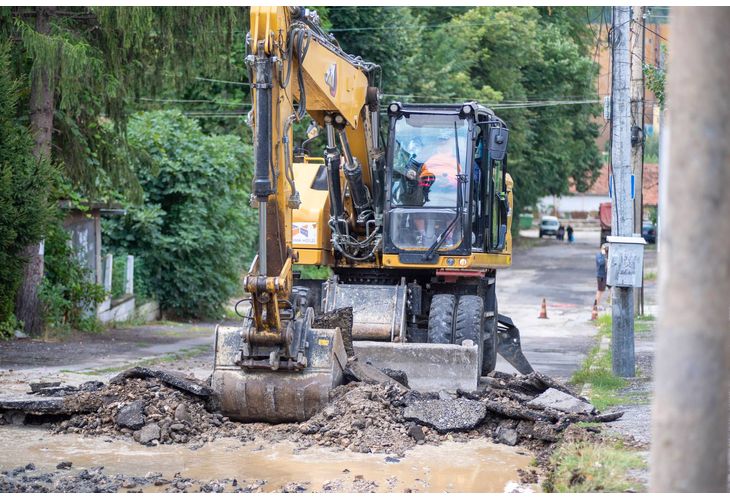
{"points": [[304, 233]]}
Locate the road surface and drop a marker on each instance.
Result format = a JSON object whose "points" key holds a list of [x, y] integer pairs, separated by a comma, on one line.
{"points": [[564, 275]]}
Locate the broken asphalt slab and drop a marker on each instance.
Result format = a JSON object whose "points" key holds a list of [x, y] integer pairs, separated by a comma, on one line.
{"points": [[459, 414], [49, 399], [172, 379], [558, 400], [32, 404]]}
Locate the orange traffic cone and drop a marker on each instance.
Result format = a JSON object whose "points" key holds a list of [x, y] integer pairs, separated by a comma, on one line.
{"points": [[543, 310], [594, 313]]}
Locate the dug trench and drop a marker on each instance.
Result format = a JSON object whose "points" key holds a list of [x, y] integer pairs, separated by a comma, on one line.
{"points": [[371, 437]]}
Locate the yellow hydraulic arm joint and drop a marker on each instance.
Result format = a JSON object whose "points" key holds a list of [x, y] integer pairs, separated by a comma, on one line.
{"points": [[267, 293]]}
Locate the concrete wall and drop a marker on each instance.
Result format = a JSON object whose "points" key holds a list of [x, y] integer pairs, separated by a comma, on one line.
{"points": [[85, 234], [578, 203]]}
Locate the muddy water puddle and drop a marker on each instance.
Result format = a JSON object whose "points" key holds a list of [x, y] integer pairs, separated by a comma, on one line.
{"points": [[474, 466]]}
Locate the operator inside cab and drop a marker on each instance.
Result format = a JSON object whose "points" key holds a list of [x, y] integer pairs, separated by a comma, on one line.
{"points": [[425, 176], [427, 179]]}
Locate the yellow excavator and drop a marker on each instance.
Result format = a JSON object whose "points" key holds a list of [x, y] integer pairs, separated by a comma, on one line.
{"points": [[413, 223]]}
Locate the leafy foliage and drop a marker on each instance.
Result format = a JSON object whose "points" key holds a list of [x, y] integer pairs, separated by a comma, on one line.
{"points": [[500, 56], [24, 188], [193, 228], [99, 59], [656, 77]]}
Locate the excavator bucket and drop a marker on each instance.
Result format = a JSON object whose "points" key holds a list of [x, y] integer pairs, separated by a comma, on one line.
{"points": [[256, 395]]}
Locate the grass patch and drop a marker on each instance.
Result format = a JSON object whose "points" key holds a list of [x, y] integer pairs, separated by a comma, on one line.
{"points": [[182, 354], [229, 313], [649, 275], [584, 467], [525, 243], [309, 272], [644, 324], [597, 371]]}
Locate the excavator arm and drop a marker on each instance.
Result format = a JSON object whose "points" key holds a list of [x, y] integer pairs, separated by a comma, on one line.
{"points": [[292, 62], [296, 70]]}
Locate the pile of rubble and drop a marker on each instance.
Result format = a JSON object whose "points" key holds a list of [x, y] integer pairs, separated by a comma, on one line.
{"points": [[26, 479], [145, 409], [365, 418], [156, 407]]}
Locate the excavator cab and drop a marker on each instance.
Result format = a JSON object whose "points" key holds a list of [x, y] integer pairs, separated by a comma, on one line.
{"points": [[438, 175]]}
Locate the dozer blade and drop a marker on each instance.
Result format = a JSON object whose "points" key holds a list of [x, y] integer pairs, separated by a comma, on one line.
{"points": [[429, 367], [378, 330], [277, 396]]}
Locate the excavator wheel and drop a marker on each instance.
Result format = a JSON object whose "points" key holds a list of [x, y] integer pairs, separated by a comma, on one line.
{"points": [[470, 322], [441, 319]]}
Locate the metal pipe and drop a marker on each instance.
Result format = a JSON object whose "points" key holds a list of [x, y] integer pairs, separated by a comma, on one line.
{"points": [[353, 174], [262, 128], [330, 129], [689, 450], [262, 238], [374, 127], [332, 163], [345, 146]]}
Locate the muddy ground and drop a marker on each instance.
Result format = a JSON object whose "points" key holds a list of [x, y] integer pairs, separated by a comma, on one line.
{"points": [[355, 455], [162, 409]]}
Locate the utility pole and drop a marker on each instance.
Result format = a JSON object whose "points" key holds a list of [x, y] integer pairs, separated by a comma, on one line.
{"points": [[689, 450], [637, 130], [622, 224]]}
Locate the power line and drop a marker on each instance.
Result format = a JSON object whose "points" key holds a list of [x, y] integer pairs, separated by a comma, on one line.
{"points": [[193, 101], [405, 26], [244, 84]]}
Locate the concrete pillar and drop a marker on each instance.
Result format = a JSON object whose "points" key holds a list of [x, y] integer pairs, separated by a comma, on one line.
{"points": [[622, 222], [689, 450], [129, 278], [108, 261]]}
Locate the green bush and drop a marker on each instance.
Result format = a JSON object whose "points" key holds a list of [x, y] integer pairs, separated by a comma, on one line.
{"points": [[24, 192], [68, 291], [194, 232]]}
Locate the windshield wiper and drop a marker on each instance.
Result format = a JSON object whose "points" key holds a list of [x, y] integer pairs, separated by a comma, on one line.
{"points": [[460, 181]]}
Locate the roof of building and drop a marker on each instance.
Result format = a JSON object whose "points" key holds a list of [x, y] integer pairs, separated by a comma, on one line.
{"points": [[650, 188]]}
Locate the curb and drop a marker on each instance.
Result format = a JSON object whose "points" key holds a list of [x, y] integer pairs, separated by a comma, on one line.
{"points": [[586, 390]]}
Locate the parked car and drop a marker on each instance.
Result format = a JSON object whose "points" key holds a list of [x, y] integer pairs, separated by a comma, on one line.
{"points": [[549, 226], [648, 231]]}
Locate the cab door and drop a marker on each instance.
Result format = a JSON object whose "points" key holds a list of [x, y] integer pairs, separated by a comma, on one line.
{"points": [[497, 185]]}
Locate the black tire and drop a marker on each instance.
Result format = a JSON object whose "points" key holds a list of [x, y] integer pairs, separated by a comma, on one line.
{"points": [[441, 319], [470, 323], [489, 338]]}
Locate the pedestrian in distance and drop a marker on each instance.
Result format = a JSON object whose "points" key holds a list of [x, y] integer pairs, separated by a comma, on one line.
{"points": [[569, 230], [560, 235], [601, 259]]}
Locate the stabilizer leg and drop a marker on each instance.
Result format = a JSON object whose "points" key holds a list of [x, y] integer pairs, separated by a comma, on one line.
{"points": [[509, 346]]}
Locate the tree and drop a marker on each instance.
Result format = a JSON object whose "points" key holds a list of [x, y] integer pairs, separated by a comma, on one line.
{"points": [[517, 59], [24, 185], [362, 31], [84, 65], [193, 230]]}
